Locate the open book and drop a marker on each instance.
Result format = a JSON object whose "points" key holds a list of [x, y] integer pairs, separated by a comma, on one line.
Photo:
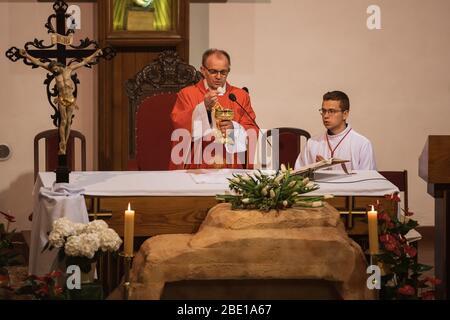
{"points": [[322, 165]]}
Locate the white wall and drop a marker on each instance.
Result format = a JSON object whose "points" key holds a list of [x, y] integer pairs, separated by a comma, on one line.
{"points": [[23, 101], [290, 52]]}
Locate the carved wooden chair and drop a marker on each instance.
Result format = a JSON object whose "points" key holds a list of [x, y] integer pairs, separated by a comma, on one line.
{"points": [[289, 142], [152, 95], [51, 138], [51, 141]]}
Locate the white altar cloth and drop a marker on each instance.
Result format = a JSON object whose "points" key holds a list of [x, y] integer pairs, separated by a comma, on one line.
{"points": [[164, 183], [50, 205], [204, 183]]}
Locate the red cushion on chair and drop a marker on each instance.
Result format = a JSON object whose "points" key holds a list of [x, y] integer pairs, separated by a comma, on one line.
{"points": [[153, 132], [289, 148]]}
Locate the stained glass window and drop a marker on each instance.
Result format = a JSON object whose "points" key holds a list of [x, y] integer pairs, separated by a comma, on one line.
{"points": [[142, 15]]}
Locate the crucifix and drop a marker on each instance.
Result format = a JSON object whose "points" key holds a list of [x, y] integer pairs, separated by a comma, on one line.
{"points": [[61, 82]]}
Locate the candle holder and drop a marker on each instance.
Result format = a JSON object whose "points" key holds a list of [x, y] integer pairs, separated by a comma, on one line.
{"points": [[127, 260]]}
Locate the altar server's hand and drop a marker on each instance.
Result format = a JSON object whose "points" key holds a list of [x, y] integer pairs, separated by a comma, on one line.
{"points": [[225, 125], [210, 99]]}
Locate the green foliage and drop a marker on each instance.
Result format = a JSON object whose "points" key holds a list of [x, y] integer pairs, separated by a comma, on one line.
{"points": [[266, 192], [43, 288], [8, 257]]}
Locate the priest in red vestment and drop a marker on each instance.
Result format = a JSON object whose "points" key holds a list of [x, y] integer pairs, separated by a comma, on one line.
{"points": [[193, 114]]}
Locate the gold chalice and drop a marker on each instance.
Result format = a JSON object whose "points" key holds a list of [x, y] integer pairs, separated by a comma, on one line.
{"points": [[224, 114]]}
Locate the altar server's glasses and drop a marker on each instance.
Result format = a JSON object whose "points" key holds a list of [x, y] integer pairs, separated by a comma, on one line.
{"points": [[329, 111]]}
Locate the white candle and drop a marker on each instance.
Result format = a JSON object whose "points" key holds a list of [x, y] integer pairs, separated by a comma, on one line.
{"points": [[372, 217], [129, 231]]}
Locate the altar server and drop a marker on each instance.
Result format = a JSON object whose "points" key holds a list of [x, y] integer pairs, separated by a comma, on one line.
{"points": [[340, 140]]}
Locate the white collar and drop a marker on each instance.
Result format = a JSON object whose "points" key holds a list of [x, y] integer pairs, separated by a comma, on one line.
{"points": [[339, 135]]}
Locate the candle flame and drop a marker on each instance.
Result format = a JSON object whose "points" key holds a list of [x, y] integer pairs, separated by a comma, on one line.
{"points": [[373, 209], [129, 207]]}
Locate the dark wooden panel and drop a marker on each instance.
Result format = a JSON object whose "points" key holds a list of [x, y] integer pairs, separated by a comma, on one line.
{"points": [[356, 222], [168, 215], [434, 162], [250, 289], [159, 215], [134, 51]]}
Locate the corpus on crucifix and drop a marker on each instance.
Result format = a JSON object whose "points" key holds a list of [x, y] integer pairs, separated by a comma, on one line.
{"points": [[66, 101]]}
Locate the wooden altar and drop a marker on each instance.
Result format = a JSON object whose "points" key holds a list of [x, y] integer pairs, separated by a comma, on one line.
{"points": [[184, 214], [434, 168]]}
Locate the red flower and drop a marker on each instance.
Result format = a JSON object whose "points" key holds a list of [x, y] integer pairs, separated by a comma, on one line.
{"points": [[392, 246], [428, 295], [54, 274], [393, 197], [385, 217], [43, 291], [385, 238], [391, 243], [58, 290], [41, 279], [407, 290], [8, 217], [433, 281], [410, 251]]}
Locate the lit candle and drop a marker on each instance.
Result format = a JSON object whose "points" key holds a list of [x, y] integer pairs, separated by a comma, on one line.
{"points": [[373, 231], [129, 231]]}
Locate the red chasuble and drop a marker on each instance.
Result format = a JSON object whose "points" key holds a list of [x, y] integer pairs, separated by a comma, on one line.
{"points": [[188, 99]]}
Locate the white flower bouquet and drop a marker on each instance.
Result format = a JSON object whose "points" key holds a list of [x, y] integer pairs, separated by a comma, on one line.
{"points": [[79, 243], [266, 192]]}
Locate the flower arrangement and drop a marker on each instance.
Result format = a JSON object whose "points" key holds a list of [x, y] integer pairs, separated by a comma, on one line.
{"points": [[8, 256], [43, 288], [266, 192], [403, 279], [80, 243]]}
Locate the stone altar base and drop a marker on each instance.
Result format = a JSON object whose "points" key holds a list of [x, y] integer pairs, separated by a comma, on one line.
{"points": [[302, 244]]}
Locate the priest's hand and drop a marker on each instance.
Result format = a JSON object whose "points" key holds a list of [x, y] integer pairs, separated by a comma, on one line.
{"points": [[319, 158], [225, 125], [210, 99]]}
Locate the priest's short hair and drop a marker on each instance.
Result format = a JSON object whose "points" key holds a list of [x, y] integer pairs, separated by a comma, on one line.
{"points": [[212, 51]]}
